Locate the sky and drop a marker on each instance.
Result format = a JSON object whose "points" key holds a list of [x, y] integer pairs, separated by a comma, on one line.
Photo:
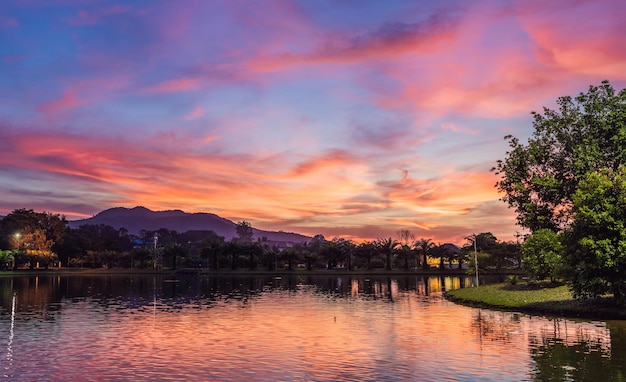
{"points": [[346, 118]]}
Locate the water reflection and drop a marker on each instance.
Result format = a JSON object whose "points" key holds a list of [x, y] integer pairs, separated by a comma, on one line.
{"points": [[560, 349], [286, 328], [580, 353]]}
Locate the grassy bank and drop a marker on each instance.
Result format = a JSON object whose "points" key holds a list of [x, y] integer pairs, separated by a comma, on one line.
{"points": [[537, 298]]}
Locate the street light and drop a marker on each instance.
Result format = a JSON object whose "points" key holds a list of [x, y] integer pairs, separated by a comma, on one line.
{"points": [[155, 238], [17, 238], [476, 259]]}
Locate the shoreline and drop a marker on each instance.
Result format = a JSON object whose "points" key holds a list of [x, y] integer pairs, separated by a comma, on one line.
{"points": [[537, 299], [242, 272]]}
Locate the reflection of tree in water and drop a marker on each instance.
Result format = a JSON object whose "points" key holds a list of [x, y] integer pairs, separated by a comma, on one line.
{"points": [[582, 353], [34, 296], [494, 325], [561, 350]]}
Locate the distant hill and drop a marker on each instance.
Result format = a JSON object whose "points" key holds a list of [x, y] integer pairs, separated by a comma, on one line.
{"points": [[138, 218]]}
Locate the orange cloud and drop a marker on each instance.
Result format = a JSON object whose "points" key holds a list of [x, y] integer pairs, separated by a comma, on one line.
{"points": [[452, 194], [180, 174], [332, 159]]}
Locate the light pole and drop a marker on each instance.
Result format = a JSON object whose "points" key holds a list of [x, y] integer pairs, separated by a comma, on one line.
{"points": [[17, 238], [156, 257], [476, 259]]}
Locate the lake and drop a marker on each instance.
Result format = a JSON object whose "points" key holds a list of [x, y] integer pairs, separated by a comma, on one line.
{"points": [[317, 328]]}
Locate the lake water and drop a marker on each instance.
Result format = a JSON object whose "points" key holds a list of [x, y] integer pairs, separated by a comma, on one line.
{"points": [[319, 328]]}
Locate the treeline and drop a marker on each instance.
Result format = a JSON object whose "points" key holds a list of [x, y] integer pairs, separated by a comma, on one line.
{"points": [[30, 239]]}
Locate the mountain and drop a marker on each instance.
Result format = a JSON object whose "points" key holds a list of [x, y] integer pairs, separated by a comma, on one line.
{"points": [[138, 218]]}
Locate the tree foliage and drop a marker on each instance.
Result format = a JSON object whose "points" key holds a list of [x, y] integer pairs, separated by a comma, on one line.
{"points": [[570, 178], [244, 231], [586, 134], [388, 248], [542, 254], [596, 242], [424, 247]]}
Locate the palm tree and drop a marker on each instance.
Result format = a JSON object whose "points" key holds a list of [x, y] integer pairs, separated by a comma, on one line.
{"points": [[365, 251], [424, 246], [442, 252], [387, 247], [404, 252]]}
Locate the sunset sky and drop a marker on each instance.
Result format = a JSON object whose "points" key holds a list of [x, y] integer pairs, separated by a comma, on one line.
{"points": [[349, 118]]}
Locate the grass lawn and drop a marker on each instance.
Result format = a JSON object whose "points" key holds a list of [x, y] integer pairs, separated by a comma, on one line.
{"points": [[540, 298]]}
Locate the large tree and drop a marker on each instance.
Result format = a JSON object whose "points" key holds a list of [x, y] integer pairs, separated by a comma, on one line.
{"points": [[570, 177], [596, 242], [587, 133], [35, 235], [23, 222]]}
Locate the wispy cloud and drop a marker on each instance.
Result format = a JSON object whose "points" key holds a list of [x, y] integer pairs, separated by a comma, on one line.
{"points": [[196, 113], [355, 121], [390, 39]]}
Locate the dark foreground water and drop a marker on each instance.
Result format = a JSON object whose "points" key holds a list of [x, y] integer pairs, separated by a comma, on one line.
{"points": [[286, 329]]}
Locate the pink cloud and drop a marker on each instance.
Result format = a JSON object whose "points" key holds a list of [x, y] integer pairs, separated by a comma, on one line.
{"points": [[458, 129], [68, 100], [196, 113], [388, 41], [596, 49], [176, 85]]}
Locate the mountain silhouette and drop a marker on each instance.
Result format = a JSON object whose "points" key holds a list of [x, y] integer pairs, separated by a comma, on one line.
{"points": [[138, 218]]}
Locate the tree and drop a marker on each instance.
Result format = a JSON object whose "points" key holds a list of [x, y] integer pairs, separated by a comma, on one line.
{"points": [[542, 254], [232, 249], [445, 252], [596, 242], [174, 251], [424, 246], [346, 249], [586, 134], [310, 258], [142, 254], [387, 247], [405, 240], [29, 224], [252, 250], [406, 237], [492, 253], [6, 259], [290, 254], [331, 252], [212, 248], [365, 251], [244, 231]]}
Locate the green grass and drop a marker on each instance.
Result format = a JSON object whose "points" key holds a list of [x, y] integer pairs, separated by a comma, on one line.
{"points": [[541, 298]]}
